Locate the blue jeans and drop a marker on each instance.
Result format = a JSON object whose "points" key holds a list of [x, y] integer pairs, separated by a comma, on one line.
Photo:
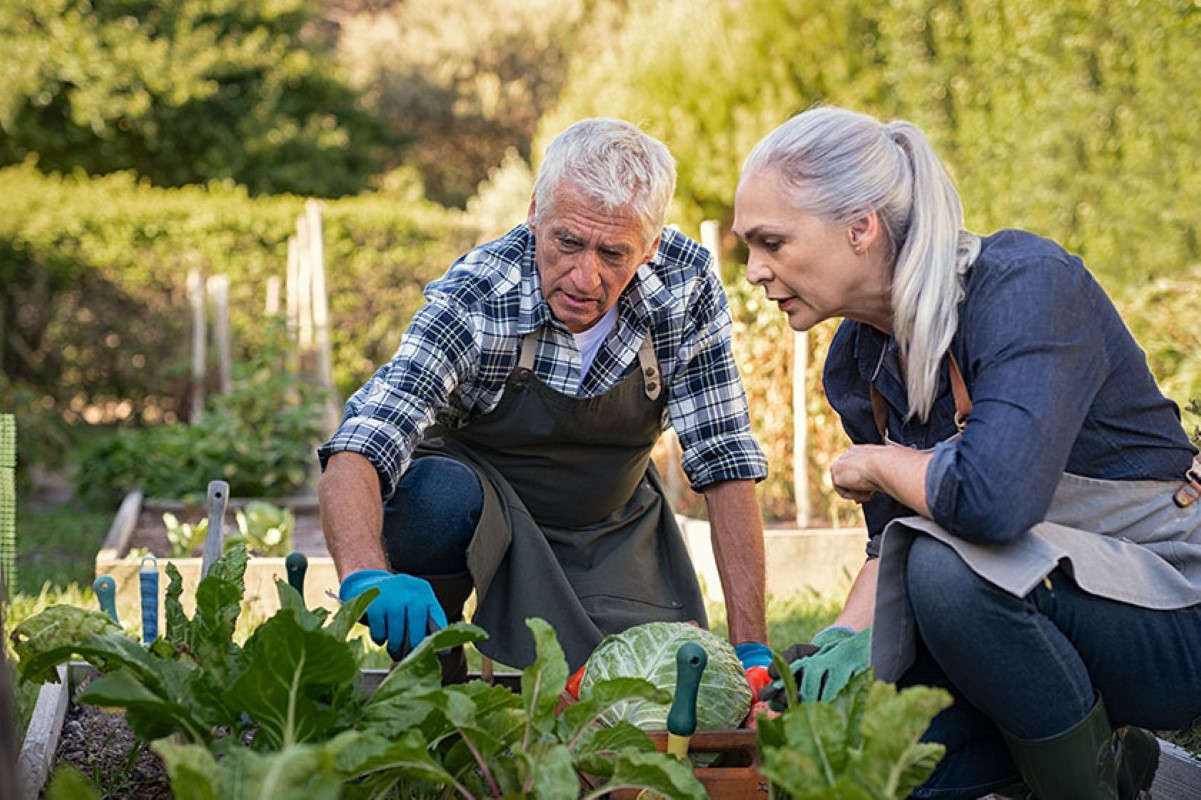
{"points": [[1033, 666], [430, 519]]}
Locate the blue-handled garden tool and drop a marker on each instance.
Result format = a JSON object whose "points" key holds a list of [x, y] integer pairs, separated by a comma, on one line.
{"points": [[148, 579], [106, 592]]}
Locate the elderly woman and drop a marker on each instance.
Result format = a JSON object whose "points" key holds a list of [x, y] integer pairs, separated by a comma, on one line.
{"points": [[1035, 544]]}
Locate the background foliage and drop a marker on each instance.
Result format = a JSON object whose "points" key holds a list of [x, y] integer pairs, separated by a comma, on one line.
{"points": [[426, 108]]}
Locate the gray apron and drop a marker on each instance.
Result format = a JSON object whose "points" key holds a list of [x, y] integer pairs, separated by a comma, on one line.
{"points": [[1122, 540], [575, 526]]}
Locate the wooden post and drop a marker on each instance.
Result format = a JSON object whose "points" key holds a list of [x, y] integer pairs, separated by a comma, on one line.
{"points": [[304, 288], [199, 372], [218, 289], [271, 306], [800, 429], [320, 303]]}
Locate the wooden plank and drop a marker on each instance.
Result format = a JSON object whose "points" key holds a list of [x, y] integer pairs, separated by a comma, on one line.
{"points": [[1178, 776], [116, 543], [41, 737]]}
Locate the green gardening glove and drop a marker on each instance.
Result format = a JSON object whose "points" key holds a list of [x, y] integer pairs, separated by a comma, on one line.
{"points": [[842, 655]]}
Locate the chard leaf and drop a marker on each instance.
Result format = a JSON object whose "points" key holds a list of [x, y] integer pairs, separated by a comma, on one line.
{"points": [[290, 676], [656, 771], [543, 681], [290, 599], [218, 604], [893, 761], [349, 613], [420, 673], [377, 764], [552, 774], [52, 636], [306, 770], [863, 744], [175, 621], [596, 747], [150, 715]]}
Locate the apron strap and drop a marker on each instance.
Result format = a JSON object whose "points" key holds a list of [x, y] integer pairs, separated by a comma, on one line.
{"points": [[963, 401], [651, 381]]}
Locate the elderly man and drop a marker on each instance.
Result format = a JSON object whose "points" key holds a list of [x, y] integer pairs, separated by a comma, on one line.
{"points": [[509, 438]]}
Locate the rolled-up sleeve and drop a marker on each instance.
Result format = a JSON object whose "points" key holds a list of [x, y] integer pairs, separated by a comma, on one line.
{"points": [[707, 400]]}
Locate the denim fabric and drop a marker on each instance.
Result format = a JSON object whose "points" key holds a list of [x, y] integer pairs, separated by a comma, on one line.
{"points": [[1057, 383], [1034, 665], [431, 518]]}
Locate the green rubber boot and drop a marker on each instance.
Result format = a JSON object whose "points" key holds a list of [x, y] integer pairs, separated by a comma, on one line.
{"points": [[1089, 761], [452, 592]]}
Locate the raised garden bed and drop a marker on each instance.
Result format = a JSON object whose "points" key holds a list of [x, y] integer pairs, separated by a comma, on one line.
{"points": [[138, 525]]}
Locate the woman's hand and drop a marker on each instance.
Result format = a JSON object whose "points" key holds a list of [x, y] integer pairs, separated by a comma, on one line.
{"points": [[898, 472], [851, 473]]}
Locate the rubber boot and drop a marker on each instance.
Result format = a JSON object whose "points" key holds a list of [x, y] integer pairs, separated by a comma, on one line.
{"points": [[1087, 762], [452, 592]]}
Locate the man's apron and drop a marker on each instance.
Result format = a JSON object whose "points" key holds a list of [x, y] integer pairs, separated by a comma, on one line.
{"points": [[575, 526]]}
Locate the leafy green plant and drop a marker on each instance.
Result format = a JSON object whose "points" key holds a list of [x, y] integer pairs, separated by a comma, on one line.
{"points": [[286, 712], [264, 529], [862, 744], [258, 437], [184, 538]]}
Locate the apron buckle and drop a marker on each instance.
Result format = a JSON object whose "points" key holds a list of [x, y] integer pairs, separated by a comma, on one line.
{"points": [[1188, 494]]}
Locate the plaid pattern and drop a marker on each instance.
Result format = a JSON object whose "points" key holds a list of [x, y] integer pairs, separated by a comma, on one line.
{"points": [[8, 501], [461, 347]]}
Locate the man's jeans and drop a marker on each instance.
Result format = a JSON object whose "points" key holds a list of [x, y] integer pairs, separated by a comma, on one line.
{"points": [[430, 519], [1034, 665]]}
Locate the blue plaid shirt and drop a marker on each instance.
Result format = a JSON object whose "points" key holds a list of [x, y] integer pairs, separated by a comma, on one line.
{"points": [[461, 347]]}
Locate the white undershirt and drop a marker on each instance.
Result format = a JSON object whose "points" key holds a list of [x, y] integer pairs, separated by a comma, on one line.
{"points": [[590, 341]]}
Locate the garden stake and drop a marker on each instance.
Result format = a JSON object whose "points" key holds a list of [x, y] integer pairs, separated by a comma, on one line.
{"points": [[218, 496], [106, 592], [691, 659], [296, 565], [148, 576]]}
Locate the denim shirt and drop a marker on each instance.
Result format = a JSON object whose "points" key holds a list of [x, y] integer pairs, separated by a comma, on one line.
{"points": [[1057, 383]]}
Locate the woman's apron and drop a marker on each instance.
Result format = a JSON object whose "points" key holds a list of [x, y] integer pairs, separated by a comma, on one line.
{"points": [[575, 526], [1122, 540]]}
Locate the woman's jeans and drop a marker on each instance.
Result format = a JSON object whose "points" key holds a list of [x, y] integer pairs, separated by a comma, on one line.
{"points": [[431, 518], [1034, 666]]}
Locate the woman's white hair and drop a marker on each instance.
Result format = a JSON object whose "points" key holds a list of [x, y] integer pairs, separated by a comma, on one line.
{"points": [[845, 165], [613, 163]]}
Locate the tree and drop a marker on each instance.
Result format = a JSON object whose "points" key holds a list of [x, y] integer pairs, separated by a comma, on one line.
{"points": [[468, 81], [182, 91]]}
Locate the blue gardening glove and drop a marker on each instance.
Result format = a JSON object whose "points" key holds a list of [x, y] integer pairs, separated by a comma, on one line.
{"points": [[402, 614], [842, 654], [755, 658]]}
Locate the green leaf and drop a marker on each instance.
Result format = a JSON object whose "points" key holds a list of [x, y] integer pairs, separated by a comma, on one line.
{"points": [[306, 770], [52, 636], [149, 714], [893, 762], [543, 681], [595, 748], [553, 774], [290, 676], [601, 698], [378, 763], [656, 771]]}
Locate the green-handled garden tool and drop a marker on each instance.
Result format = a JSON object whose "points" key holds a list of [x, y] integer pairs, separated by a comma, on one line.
{"points": [[691, 659]]}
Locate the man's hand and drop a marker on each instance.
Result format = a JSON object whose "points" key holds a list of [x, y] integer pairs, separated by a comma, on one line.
{"points": [[403, 613], [755, 658]]}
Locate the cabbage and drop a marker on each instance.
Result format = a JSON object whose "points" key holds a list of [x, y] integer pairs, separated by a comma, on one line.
{"points": [[649, 651]]}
